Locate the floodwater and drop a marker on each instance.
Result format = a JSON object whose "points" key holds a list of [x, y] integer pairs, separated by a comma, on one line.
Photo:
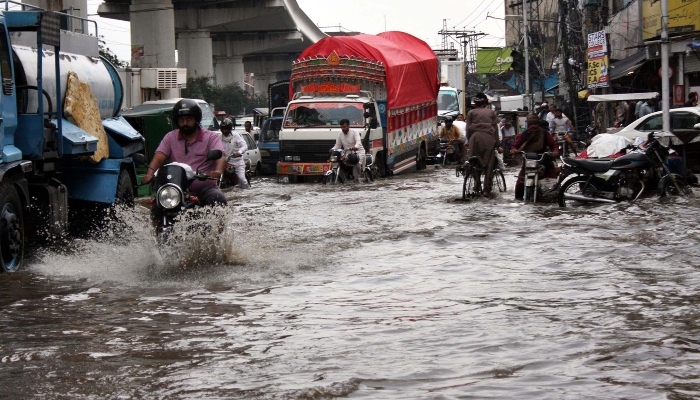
{"points": [[390, 290]]}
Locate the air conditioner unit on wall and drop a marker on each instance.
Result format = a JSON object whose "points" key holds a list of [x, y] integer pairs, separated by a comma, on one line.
{"points": [[163, 78]]}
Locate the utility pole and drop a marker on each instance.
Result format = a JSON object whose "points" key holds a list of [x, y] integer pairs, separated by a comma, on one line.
{"points": [[526, 55], [563, 27], [665, 115]]}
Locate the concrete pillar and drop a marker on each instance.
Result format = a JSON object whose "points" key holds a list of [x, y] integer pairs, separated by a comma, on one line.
{"points": [[194, 52], [230, 70], [262, 81], [152, 34]]}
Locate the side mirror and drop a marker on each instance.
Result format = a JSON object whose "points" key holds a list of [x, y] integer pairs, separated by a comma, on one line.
{"points": [[373, 124], [367, 114], [214, 154], [140, 159], [256, 136], [696, 126]]}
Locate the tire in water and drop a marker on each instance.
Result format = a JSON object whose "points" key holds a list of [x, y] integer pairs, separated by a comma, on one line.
{"points": [[667, 187], [575, 186], [11, 229], [500, 180]]}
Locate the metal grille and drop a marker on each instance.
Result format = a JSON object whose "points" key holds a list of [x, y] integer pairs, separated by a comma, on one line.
{"points": [[308, 150], [167, 79], [51, 29]]}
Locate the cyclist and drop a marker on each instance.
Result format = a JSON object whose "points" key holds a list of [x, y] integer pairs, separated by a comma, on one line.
{"points": [[482, 128]]}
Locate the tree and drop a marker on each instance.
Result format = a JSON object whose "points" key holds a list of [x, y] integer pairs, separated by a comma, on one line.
{"points": [[109, 55], [230, 98]]}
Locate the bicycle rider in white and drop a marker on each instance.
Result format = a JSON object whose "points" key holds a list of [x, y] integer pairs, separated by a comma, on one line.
{"points": [[234, 147], [350, 139]]}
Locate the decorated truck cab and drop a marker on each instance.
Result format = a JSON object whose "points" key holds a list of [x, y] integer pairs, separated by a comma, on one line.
{"points": [[386, 85]]}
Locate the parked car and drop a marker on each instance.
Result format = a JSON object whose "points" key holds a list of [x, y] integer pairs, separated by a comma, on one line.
{"points": [[683, 118], [253, 154]]}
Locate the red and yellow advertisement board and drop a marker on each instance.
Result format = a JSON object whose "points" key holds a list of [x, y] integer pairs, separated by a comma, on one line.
{"points": [[292, 168], [598, 60]]}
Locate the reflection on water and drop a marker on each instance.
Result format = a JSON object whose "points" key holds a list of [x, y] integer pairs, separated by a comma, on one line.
{"points": [[396, 289]]}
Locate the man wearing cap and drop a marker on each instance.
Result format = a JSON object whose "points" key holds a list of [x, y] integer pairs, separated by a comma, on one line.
{"points": [[544, 110], [534, 140]]}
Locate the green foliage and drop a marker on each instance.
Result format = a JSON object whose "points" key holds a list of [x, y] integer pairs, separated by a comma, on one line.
{"points": [[230, 98], [111, 57]]}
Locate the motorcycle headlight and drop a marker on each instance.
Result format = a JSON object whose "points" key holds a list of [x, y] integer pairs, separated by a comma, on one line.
{"points": [[169, 197], [530, 163]]}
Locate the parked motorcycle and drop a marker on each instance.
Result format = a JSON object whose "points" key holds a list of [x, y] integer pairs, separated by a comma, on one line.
{"points": [[623, 178], [171, 183], [537, 186], [342, 165], [230, 179]]}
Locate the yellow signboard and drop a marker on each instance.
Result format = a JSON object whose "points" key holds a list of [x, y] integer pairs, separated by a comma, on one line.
{"points": [[683, 17], [598, 72]]}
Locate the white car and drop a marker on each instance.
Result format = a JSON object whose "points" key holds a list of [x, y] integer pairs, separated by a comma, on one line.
{"points": [[683, 118], [253, 154]]}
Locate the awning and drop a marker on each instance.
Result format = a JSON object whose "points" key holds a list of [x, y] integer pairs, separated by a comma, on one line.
{"points": [[619, 68], [623, 96]]}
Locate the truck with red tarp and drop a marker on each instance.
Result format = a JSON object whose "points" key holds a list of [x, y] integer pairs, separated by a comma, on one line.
{"points": [[386, 85]]}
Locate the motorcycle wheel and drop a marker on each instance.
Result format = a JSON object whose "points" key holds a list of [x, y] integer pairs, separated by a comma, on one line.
{"points": [[11, 229], [529, 193], [329, 179], [247, 176], [674, 185], [500, 180], [468, 189], [367, 175], [575, 186]]}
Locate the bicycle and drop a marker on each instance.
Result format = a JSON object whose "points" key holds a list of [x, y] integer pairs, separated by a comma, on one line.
{"points": [[472, 172]]}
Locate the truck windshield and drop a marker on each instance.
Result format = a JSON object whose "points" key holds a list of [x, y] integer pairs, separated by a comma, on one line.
{"points": [[448, 101], [327, 114]]}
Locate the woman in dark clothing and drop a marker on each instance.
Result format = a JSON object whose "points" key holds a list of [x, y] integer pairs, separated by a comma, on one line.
{"points": [[534, 140], [482, 126]]}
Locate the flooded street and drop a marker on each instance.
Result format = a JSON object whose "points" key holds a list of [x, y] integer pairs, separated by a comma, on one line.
{"points": [[391, 290]]}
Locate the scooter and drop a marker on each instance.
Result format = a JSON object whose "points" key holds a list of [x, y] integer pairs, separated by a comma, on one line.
{"points": [[623, 178], [171, 184]]}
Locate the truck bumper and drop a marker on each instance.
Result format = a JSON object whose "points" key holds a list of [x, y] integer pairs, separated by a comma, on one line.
{"points": [[300, 168]]}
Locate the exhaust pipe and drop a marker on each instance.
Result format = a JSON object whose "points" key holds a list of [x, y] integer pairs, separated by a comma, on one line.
{"points": [[578, 197]]}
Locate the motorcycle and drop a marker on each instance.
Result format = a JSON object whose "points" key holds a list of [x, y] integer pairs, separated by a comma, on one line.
{"points": [[623, 178], [230, 179], [446, 153], [537, 186], [566, 143], [171, 183], [342, 171]]}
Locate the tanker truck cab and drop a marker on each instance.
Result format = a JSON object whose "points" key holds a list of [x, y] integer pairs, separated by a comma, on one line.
{"points": [[312, 124], [63, 143]]}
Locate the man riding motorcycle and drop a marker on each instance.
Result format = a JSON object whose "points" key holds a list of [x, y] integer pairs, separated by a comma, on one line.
{"points": [[189, 145], [235, 147], [534, 140], [452, 134]]}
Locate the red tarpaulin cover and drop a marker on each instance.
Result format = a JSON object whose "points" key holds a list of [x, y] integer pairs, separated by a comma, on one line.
{"points": [[411, 65]]}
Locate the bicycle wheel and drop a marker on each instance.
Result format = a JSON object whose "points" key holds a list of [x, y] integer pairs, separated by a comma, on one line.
{"points": [[500, 180], [468, 189]]}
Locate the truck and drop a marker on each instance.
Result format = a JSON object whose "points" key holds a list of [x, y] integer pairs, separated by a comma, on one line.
{"points": [[386, 85], [451, 97], [53, 158]]}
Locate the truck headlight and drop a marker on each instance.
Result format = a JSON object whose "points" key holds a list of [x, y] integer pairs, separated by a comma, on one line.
{"points": [[264, 154], [169, 197], [287, 158]]}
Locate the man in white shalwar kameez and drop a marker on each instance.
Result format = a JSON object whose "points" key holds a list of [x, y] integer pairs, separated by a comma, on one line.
{"points": [[349, 139], [234, 148]]}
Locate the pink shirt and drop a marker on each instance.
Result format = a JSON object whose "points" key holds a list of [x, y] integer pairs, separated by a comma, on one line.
{"points": [[175, 147]]}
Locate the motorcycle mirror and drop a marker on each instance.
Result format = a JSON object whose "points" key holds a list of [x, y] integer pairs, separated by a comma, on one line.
{"points": [[214, 154], [139, 159]]}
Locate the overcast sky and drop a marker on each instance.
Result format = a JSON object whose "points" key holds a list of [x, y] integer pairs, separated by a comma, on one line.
{"points": [[421, 18]]}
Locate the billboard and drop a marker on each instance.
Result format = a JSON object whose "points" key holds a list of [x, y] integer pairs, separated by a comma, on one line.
{"points": [[598, 61], [682, 17], [493, 60]]}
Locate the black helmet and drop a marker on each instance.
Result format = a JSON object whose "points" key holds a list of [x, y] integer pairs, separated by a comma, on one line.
{"points": [[187, 107], [226, 123], [448, 121], [353, 159]]}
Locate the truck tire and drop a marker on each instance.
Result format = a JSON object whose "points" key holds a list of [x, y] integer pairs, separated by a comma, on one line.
{"points": [[11, 229], [381, 165], [125, 190], [421, 159]]}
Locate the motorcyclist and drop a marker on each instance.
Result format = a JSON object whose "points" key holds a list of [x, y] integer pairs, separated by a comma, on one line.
{"points": [[349, 139], [234, 148], [534, 140], [189, 145], [450, 132]]}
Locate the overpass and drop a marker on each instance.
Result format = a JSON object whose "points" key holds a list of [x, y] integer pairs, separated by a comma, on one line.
{"points": [[220, 38]]}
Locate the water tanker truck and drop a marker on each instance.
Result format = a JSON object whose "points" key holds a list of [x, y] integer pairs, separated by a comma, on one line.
{"points": [[62, 141], [386, 85]]}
